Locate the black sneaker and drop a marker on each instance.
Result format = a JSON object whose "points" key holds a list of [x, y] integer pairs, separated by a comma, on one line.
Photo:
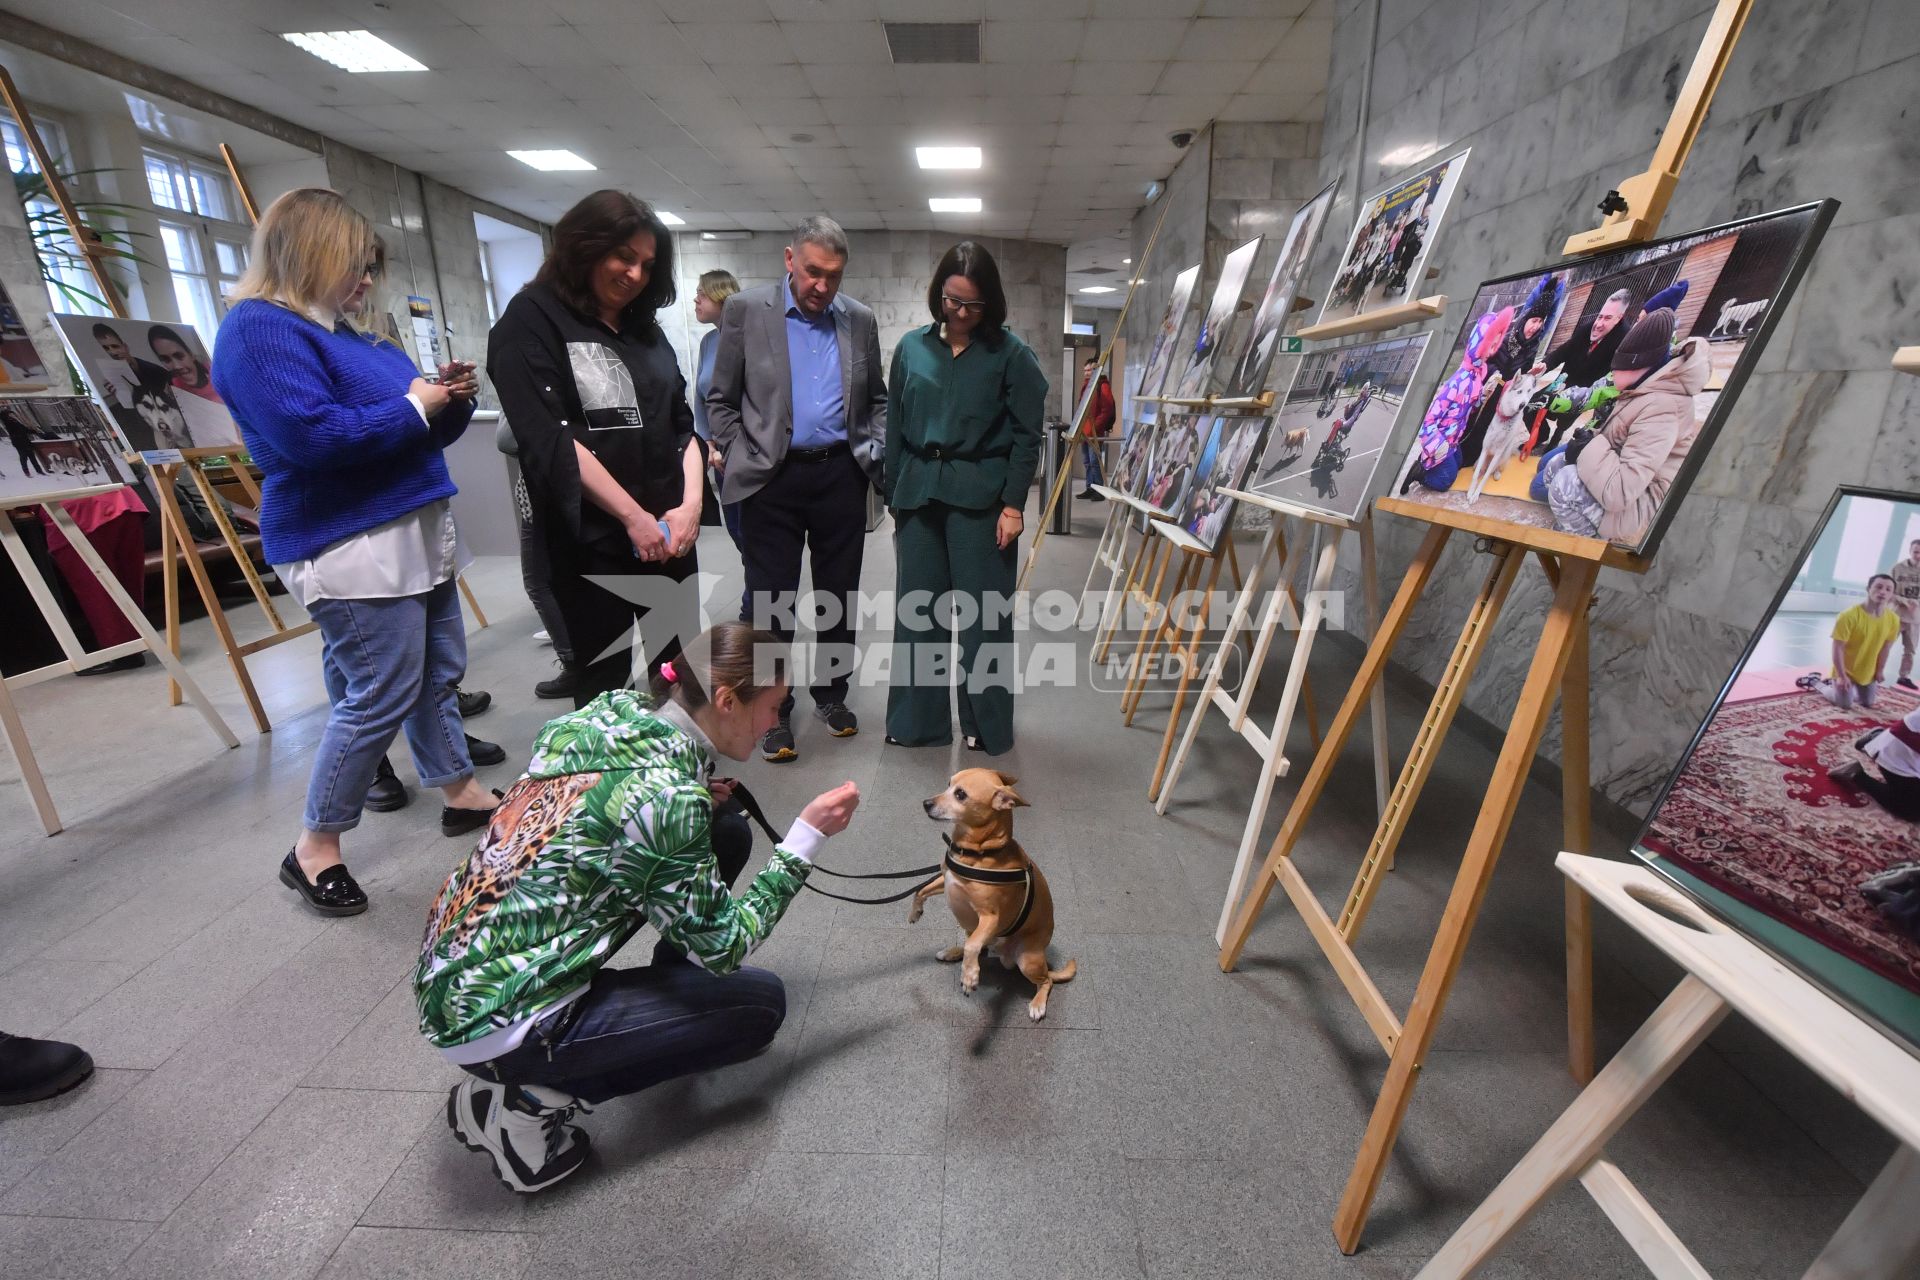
{"points": [[840, 721], [472, 704], [777, 747], [387, 793], [1905, 682], [561, 686], [31, 1070], [1093, 496], [333, 893], [457, 822], [531, 1143], [135, 661], [482, 752]]}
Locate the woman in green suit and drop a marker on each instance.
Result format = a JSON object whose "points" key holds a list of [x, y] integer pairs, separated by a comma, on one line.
{"points": [[964, 403]]}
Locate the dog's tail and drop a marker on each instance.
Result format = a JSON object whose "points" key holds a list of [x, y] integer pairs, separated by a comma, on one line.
{"points": [[1065, 973]]}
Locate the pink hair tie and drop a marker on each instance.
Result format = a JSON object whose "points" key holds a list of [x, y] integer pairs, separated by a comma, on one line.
{"points": [[666, 669]]}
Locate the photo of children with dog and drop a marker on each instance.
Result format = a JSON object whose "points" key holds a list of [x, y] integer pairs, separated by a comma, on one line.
{"points": [[1334, 424], [1386, 255], [1171, 465], [1224, 463], [1800, 797], [1583, 398], [1132, 466]]}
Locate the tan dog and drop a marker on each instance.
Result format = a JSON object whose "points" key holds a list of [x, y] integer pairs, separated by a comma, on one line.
{"points": [[997, 895]]}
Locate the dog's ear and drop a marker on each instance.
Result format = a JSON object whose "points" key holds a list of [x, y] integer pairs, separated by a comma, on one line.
{"points": [[1006, 798], [1006, 779]]}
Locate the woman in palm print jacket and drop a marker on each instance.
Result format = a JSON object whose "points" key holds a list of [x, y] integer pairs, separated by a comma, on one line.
{"points": [[612, 828]]}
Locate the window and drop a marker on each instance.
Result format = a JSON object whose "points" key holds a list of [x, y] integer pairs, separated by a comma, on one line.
{"points": [[206, 251], [486, 279], [189, 186], [70, 286]]}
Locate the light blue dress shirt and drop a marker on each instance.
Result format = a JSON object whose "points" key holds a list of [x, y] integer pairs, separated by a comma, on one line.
{"points": [[813, 353]]}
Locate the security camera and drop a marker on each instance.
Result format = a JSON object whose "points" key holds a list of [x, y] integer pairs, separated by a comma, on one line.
{"points": [[1180, 137]]}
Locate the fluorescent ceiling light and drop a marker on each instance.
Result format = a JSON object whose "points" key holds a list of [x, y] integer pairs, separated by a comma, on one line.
{"points": [[954, 204], [1098, 288], [552, 161], [671, 219], [1126, 262], [354, 51], [726, 235], [948, 157]]}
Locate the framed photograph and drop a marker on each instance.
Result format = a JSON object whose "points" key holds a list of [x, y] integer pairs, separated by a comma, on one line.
{"points": [[1584, 397], [154, 379], [1386, 256], [21, 368], [1795, 812], [1166, 338], [55, 444], [1258, 342], [1333, 426], [1216, 324], [1130, 471], [1176, 459], [1233, 444]]}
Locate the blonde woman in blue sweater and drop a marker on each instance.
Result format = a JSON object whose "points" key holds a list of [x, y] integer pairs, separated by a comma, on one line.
{"points": [[354, 518]]}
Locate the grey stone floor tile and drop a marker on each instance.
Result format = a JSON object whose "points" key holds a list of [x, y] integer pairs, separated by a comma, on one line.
{"points": [[37, 995], [287, 1196], [386, 1253], [841, 1217], [1034, 1216], [67, 1248], [441, 1185], [866, 1084], [618, 1216], [32, 1132], [719, 1119], [386, 1051], [866, 973], [1040, 1096]]}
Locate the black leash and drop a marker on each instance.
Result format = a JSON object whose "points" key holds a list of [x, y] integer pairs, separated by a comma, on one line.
{"points": [[932, 873]]}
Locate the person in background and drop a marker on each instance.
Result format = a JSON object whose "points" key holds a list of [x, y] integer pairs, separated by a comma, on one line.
{"points": [[115, 524], [354, 519], [512, 984], [1862, 638], [799, 409], [1906, 602], [536, 573], [714, 289], [963, 437], [1100, 415], [598, 407], [1896, 749], [184, 369]]}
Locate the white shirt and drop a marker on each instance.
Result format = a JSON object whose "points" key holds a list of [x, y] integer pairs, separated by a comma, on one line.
{"points": [[1895, 756], [407, 556]]}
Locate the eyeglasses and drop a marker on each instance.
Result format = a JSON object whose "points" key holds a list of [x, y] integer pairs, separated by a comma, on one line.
{"points": [[975, 306]]}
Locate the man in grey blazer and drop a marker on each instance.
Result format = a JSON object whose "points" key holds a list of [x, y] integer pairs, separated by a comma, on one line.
{"points": [[798, 409]]}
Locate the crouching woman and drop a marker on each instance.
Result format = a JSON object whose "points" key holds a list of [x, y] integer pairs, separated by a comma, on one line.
{"points": [[612, 827]]}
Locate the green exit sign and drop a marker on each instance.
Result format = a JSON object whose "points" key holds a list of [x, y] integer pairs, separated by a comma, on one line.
{"points": [[1289, 346]]}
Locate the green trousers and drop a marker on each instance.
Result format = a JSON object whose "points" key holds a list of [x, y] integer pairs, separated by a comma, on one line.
{"points": [[942, 550]]}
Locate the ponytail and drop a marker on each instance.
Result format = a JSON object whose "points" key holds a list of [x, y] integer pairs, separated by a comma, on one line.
{"points": [[729, 655]]}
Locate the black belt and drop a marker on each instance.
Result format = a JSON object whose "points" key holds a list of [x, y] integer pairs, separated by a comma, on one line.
{"points": [[947, 453], [820, 454]]}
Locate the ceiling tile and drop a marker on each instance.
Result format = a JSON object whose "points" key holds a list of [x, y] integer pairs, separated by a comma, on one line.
{"points": [[796, 11], [1031, 41], [1117, 77], [829, 42], [1191, 110], [715, 10], [1231, 39], [1103, 106], [728, 43], [640, 42], [792, 113], [1132, 39], [852, 80], [773, 80]]}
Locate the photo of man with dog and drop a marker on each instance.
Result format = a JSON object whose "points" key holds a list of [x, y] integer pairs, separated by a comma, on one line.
{"points": [[153, 379], [1796, 801], [1583, 398], [1334, 423]]}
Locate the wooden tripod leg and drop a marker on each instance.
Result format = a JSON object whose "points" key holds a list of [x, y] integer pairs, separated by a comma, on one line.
{"points": [[232, 538], [1188, 657], [16, 735], [1102, 552], [472, 603], [1155, 619], [1136, 574], [138, 621], [1281, 606], [1469, 889], [170, 510], [1372, 667], [1160, 629], [243, 476], [1370, 587], [1576, 800], [169, 575], [1425, 751], [1881, 1237], [1579, 1137]]}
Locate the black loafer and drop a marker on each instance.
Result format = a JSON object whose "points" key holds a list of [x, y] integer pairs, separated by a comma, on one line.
{"points": [[482, 752], [131, 662], [472, 704], [31, 1070], [457, 822], [386, 793], [333, 894]]}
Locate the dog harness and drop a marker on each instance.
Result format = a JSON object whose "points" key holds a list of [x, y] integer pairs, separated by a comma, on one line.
{"points": [[983, 875]]}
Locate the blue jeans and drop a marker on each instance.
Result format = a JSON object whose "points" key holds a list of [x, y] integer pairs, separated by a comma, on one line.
{"points": [[389, 664], [1090, 458]]}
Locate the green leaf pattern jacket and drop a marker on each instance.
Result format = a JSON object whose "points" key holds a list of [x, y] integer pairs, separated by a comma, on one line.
{"points": [[609, 829]]}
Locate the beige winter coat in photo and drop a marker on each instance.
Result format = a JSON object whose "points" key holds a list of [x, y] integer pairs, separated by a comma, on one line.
{"points": [[1629, 469]]}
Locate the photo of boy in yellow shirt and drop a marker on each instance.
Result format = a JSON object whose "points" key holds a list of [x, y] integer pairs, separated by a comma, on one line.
{"points": [[1863, 636]]}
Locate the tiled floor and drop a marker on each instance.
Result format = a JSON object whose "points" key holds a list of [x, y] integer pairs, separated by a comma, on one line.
{"points": [[264, 1107]]}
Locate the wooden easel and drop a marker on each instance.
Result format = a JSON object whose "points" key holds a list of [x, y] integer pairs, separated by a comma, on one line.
{"points": [[76, 655], [1168, 623], [1559, 666], [1321, 547], [1110, 552], [1725, 972]]}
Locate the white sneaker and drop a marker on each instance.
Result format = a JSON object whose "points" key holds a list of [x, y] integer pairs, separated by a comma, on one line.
{"points": [[531, 1143], [541, 637]]}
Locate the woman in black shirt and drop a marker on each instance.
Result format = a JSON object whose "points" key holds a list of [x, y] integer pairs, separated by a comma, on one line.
{"points": [[594, 396]]}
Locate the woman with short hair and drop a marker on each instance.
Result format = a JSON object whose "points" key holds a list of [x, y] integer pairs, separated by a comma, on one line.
{"points": [[714, 289], [354, 518], [598, 407], [965, 400]]}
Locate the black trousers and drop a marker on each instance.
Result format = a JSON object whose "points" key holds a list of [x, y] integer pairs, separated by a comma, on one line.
{"points": [[597, 618], [817, 505]]}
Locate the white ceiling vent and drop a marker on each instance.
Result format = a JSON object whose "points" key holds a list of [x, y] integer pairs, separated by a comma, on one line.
{"points": [[933, 41]]}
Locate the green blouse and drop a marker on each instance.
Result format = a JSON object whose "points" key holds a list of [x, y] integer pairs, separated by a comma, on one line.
{"points": [[962, 430]]}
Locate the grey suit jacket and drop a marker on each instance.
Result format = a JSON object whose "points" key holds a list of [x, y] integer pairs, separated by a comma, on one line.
{"points": [[750, 400]]}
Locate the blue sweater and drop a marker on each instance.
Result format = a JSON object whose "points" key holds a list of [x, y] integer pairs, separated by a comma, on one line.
{"points": [[325, 415]]}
